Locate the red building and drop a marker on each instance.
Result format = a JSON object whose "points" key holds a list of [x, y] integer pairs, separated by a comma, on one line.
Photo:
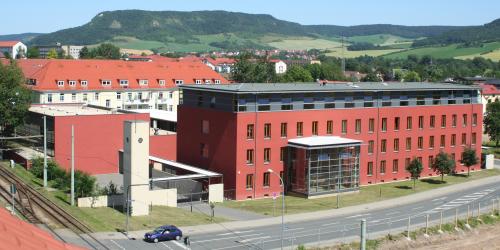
{"points": [[324, 138]]}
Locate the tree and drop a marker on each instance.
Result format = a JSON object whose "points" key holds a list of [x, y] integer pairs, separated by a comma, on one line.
{"points": [[15, 98], [84, 53], [297, 74], [415, 169], [371, 77], [492, 121], [33, 52], [443, 164], [412, 76], [52, 54], [469, 158], [107, 51]]}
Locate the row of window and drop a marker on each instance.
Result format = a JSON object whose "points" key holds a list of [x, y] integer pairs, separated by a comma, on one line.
{"points": [[395, 165], [125, 82], [420, 142], [357, 126], [130, 96], [265, 180], [266, 153]]}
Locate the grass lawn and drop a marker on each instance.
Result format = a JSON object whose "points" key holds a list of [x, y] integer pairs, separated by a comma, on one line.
{"points": [[304, 43], [493, 55], [337, 52], [449, 51], [380, 39], [366, 194], [109, 219]]}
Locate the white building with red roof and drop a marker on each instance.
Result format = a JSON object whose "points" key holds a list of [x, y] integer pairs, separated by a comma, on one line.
{"points": [[115, 83], [490, 93], [221, 65], [15, 49]]}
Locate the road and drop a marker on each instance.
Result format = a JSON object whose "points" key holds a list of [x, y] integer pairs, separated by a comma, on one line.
{"points": [[339, 228]]}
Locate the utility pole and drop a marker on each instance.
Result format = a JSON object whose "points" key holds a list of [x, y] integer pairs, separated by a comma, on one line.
{"points": [[72, 165], [343, 56], [44, 151]]}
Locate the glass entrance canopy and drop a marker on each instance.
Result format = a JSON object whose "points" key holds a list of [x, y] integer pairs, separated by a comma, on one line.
{"points": [[322, 165]]}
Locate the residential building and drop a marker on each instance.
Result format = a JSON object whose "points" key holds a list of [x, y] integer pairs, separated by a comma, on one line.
{"points": [[15, 49], [489, 93], [220, 65], [72, 50], [323, 138], [114, 83], [279, 66], [44, 50]]}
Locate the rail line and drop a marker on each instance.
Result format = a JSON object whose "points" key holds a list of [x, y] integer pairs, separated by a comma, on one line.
{"points": [[29, 198]]}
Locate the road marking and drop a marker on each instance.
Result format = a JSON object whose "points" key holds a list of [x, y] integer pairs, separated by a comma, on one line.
{"points": [[258, 238], [438, 199], [163, 243], [392, 213], [236, 232], [226, 238], [355, 216], [330, 224], [118, 245], [178, 244], [293, 229], [417, 208]]}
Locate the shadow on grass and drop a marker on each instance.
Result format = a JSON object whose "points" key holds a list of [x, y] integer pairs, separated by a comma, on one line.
{"points": [[404, 187], [461, 175], [433, 181]]}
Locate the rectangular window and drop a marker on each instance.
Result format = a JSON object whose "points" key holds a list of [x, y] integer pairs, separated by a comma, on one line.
{"points": [[454, 120], [344, 126], [420, 143], [369, 169], [382, 167], [72, 83], [85, 97], [217, 81], [409, 122], [204, 150], [161, 82], [284, 129], [249, 182], [267, 130], [371, 125], [407, 162], [84, 83], [249, 156], [442, 142], [408, 143], [143, 82], [207, 81], [49, 98], [432, 121], [197, 81], [453, 141], [464, 118], [205, 127], [396, 144], [282, 153], [395, 165], [474, 119], [357, 126], [383, 146], [265, 179], [118, 95], [267, 155], [96, 96], [106, 82], [384, 124], [60, 83], [61, 97], [123, 82], [420, 122], [329, 127], [473, 139], [370, 147], [300, 126], [464, 138], [250, 131], [396, 123], [431, 141], [73, 97], [443, 121], [430, 161], [315, 127]]}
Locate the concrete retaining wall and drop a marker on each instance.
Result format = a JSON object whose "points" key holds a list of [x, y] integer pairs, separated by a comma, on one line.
{"points": [[100, 201]]}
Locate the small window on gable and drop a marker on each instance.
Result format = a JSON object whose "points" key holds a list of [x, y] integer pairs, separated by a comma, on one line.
{"points": [[123, 82], [72, 83], [60, 83], [106, 82], [84, 83], [217, 81], [198, 81], [161, 82], [143, 82], [179, 82], [207, 81]]}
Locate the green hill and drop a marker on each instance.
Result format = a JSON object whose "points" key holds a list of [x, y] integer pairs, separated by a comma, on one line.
{"points": [[24, 37], [209, 30]]}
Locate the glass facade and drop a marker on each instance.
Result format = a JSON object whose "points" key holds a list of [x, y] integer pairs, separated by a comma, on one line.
{"points": [[320, 171]]}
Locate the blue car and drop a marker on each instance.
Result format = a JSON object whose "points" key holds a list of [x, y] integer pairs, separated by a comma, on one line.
{"points": [[167, 232]]}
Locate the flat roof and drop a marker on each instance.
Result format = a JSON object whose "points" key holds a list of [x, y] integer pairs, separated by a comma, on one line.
{"points": [[70, 110], [158, 114], [329, 87], [322, 141], [199, 171]]}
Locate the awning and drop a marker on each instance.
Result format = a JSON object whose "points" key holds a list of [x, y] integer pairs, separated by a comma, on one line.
{"points": [[314, 142]]}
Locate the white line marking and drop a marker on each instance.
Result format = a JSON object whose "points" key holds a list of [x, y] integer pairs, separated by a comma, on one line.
{"points": [[236, 232], [226, 238], [178, 244], [417, 208], [258, 238], [293, 229], [438, 199], [163, 243], [330, 224], [355, 216], [392, 213], [118, 245]]}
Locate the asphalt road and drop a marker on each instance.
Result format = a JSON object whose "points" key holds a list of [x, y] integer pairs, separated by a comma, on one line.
{"points": [[381, 221]]}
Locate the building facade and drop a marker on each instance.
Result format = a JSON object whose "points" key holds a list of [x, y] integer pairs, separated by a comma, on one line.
{"points": [[15, 49], [114, 83], [244, 130]]}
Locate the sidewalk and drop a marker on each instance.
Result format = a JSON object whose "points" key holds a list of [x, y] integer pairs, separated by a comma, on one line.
{"points": [[237, 225], [225, 212]]}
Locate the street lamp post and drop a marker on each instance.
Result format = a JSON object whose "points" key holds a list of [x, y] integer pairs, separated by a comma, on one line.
{"points": [[283, 206]]}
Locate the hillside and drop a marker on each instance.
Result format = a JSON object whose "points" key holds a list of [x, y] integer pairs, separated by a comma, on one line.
{"points": [[467, 35], [212, 30], [24, 37]]}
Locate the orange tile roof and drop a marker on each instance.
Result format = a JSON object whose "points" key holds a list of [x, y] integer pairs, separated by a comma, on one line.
{"points": [[8, 43], [489, 89], [18, 234], [47, 72], [221, 60]]}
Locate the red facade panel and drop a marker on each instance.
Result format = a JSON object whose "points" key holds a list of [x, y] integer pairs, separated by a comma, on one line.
{"points": [[163, 146]]}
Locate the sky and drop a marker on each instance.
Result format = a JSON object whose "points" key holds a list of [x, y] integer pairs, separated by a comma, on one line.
{"points": [[51, 15]]}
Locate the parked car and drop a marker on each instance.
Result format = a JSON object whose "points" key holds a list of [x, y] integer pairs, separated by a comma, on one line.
{"points": [[167, 232]]}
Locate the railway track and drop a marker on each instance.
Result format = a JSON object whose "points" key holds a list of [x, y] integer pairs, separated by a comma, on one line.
{"points": [[30, 199]]}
